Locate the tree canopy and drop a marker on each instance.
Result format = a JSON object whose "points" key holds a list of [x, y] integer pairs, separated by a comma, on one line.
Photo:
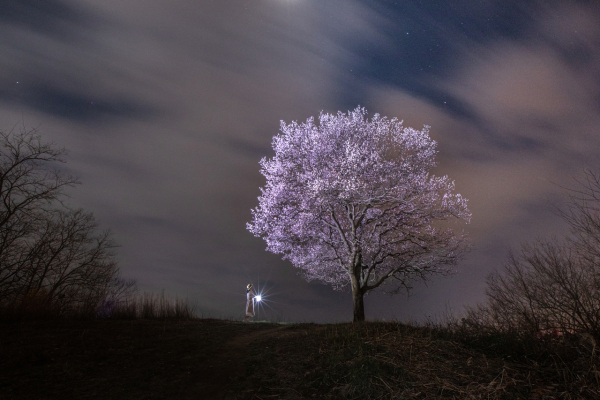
{"points": [[351, 201]]}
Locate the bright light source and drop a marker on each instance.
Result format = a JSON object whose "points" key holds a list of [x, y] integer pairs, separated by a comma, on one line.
{"points": [[258, 297]]}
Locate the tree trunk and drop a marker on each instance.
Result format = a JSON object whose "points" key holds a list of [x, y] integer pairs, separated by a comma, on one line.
{"points": [[357, 300], [359, 306]]}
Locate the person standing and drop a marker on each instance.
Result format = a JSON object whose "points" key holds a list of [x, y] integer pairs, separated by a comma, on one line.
{"points": [[250, 295]]}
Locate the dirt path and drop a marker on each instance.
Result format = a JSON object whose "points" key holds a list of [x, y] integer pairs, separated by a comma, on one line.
{"points": [[219, 372]]}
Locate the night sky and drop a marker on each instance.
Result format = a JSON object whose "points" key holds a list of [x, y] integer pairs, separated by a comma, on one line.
{"points": [[166, 108]]}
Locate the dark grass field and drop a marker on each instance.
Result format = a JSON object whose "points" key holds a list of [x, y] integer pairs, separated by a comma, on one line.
{"points": [[219, 359], [116, 359]]}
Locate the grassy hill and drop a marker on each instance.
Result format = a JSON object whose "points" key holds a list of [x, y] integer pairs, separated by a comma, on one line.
{"points": [[220, 359]]}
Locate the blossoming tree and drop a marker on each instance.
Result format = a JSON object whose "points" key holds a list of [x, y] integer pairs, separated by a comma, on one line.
{"points": [[350, 201]]}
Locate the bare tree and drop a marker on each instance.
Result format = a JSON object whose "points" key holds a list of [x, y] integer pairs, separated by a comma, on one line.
{"points": [[29, 184], [583, 216], [48, 252], [553, 284], [69, 262], [29, 179]]}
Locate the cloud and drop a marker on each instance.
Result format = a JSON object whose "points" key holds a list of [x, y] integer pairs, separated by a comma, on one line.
{"points": [[58, 60], [176, 173], [82, 105], [529, 97], [417, 43], [49, 17], [187, 96], [532, 124]]}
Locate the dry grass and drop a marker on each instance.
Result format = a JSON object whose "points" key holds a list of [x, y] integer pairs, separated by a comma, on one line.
{"points": [[184, 358], [146, 306], [395, 361], [149, 305]]}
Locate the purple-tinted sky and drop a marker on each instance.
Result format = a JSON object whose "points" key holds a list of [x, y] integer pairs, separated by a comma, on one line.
{"points": [[167, 107]]}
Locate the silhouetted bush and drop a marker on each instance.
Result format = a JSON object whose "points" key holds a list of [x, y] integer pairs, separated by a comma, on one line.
{"points": [[552, 286]]}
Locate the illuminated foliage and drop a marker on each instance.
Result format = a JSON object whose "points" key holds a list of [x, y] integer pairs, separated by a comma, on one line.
{"points": [[350, 201]]}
